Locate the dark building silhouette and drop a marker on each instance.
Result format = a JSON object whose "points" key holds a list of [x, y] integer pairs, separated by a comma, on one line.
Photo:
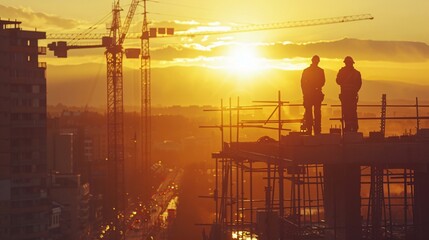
{"points": [[24, 206], [74, 196], [77, 146]]}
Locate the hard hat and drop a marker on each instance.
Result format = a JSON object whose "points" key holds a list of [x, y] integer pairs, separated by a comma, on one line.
{"points": [[348, 59], [315, 58]]}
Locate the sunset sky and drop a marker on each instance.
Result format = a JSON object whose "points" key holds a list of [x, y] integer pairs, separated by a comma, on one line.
{"points": [[394, 19], [392, 47]]}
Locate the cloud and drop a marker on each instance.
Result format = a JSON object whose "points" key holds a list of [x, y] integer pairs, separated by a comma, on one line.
{"points": [[31, 19], [393, 51], [370, 50]]}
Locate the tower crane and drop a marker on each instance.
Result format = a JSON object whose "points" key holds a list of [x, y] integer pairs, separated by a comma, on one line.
{"points": [[115, 200]]}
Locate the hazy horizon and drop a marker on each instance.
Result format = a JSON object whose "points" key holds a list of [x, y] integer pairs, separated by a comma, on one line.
{"points": [[390, 54]]}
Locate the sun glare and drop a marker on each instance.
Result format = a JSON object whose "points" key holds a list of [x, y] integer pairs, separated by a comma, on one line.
{"points": [[243, 60]]}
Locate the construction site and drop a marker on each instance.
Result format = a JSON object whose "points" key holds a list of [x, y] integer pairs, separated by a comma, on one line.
{"points": [[337, 185], [77, 174]]}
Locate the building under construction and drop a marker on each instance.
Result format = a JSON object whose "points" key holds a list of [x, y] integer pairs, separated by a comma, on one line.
{"points": [[329, 186]]}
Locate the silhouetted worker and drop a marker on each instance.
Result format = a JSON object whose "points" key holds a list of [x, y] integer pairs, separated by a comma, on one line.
{"points": [[350, 81], [312, 81]]}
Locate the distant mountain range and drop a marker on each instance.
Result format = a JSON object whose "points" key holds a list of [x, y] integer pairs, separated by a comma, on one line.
{"points": [[397, 51], [80, 85], [85, 84], [363, 50]]}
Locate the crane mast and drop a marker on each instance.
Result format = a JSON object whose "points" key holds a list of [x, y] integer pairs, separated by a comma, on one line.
{"points": [[115, 116], [116, 200], [145, 103]]}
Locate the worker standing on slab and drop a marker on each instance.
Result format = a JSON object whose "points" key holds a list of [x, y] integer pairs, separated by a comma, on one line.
{"points": [[312, 81], [350, 82]]}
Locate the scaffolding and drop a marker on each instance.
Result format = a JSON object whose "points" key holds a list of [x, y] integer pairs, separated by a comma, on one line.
{"points": [[264, 194]]}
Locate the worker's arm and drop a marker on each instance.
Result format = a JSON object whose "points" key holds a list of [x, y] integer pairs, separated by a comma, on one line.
{"points": [[358, 81]]}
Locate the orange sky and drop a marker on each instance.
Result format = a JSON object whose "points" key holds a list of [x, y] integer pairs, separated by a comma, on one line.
{"points": [[246, 55], [394, 19]]}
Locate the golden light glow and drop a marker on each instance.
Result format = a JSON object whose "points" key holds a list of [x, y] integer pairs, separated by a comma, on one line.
{"points": [[243, 60]]}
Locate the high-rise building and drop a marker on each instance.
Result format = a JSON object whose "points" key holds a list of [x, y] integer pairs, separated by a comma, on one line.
{"points": [[24, 206], [73, 195]]}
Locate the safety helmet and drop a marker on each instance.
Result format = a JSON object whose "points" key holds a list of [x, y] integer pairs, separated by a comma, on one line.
{"points": [[348, 59], [315, 59]]}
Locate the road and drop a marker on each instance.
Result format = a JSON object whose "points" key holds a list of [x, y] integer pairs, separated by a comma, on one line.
{"points": [[151, 226]]}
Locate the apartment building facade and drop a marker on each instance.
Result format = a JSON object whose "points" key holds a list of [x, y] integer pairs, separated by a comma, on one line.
{"points": [[24, 205]]}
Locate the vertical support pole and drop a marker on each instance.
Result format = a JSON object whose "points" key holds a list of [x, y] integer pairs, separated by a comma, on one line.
{"points": [[384, 209], [268, 189], [309, 195], [371, 192], [242, 197], [304, 198], [412, 186], [237, 194], [376, 199], [239, 213], [317, 194], [224, 178], [231, 197], [268, 202], [216, 192], [405, 183], [281, 168], [389, 203], [273, 186], [221, 125], [417, 115], [293, 195], [298, 200], [251, 197]]}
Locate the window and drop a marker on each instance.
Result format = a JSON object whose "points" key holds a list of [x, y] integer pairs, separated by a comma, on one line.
{"points": [[14, 88], [15, 169], [26, 103], [27, 88], [27, 169], [13, 73], [15, 116], [14, 230], [36, 155], [36, 89], [27, 155], [14, 102], [29, 229], [26, 116], [35, 103]]}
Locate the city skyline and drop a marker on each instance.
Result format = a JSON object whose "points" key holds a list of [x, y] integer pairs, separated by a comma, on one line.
{"points": [[132, 167]]}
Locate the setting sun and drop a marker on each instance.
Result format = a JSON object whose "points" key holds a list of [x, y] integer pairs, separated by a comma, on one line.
{"points": [[243, 60], [214, 120]]}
